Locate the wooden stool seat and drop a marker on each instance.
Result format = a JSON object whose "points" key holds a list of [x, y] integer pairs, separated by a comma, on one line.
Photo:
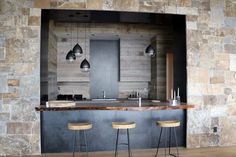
{"points": [[168, 124], [123, 125], [79, 126]]}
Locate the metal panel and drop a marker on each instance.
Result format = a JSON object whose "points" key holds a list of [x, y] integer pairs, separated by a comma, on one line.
{"points": [[104, 56], [57, 138]]}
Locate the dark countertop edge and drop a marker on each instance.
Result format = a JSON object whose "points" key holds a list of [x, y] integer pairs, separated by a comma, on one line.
{"points": [[118, 108]]}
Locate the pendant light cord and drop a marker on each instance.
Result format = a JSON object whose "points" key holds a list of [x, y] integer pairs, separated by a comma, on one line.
{"points": [[77, 34], [71, 35], [85, 40]]}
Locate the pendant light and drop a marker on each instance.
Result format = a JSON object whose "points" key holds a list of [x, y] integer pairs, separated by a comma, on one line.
{"points": [[71, 55], [77, 49], [150, 51], [85, 66]]}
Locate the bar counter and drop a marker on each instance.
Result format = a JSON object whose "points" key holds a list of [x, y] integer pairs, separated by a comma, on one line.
{"points": [[119, 105], [57, 138]]}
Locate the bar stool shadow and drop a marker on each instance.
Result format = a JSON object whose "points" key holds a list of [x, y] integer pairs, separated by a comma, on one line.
{"points": [[123, 126]]}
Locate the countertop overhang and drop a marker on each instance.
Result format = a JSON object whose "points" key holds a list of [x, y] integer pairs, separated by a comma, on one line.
{"points": [[117, 106]]}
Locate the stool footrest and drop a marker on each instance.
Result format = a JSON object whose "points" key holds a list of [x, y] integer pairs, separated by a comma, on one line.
{"points": [[123, 144]]}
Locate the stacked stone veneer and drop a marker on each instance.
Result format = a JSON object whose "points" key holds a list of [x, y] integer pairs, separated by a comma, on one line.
{"points": [[211, 65]]}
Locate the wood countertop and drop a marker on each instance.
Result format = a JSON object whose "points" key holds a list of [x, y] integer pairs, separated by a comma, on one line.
{"points": [[146, 106]]}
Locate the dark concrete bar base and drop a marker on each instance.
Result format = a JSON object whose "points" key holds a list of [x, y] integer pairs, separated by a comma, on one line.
{"points": [[57, 138]]}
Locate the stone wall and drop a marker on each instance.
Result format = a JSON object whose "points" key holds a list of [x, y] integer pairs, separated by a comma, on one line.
{"points": [[211, 58], [19, 78]]}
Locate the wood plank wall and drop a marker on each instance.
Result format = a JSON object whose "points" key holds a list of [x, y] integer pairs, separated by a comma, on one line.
{"points": [[52, 64], [157, 86]]}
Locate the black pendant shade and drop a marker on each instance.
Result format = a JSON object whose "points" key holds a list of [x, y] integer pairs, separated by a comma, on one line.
{"points": [[150, 51], [85, 66], [77, 50], [70, 56]]}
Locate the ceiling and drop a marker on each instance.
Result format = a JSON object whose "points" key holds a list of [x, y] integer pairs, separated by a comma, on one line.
{"points": [[66, 23]]}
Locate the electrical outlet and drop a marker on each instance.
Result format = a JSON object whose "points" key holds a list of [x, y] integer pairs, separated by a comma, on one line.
{"points": [[215, 129]]}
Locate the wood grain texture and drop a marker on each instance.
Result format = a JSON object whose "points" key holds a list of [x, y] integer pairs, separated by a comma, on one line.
{"points": [[131, 107]]}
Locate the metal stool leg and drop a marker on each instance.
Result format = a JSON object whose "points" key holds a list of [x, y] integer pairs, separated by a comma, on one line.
{"points": [[176, 142], [117, 139], [166, 140], [169, 139], [128, 143], [159, 140], [86, 143], [74, 144]]}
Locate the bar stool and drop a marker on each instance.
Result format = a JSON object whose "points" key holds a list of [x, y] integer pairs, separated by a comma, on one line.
{"points": [[80, 127], [123, 125], [171, 125]]}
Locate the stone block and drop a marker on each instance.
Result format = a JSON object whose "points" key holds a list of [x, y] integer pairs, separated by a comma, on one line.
{"points": [[5, 108], [151, 6], [4, 116], [230, 48], [42, 4], [11, 95], [25, 11], [2, 128], [29, 87], [214, 99], [2, 48], [3, 84], [71, 5], [35, 12], [34, 21], [193, 141], [23, 110], [184, 3], [227, 130], [227, 91], [232, 110], [197, 89], [217, 13], [126, 5], [230, 77], [191, 25], [19, 128], [230, 8], [170, 9], [30, 32], [199, 121], [217, 79], [198, 75], [23, 144], [94, 4], [214, 89], [196, 100], [192, 18], [214, 122], [228, 39], [187, 10], [209, 139], [232, 66], [219, 111], [13, 82]]}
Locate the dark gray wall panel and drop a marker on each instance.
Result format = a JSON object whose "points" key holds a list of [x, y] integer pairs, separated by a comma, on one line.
{"points": [[104, 56], [57, 138]]}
